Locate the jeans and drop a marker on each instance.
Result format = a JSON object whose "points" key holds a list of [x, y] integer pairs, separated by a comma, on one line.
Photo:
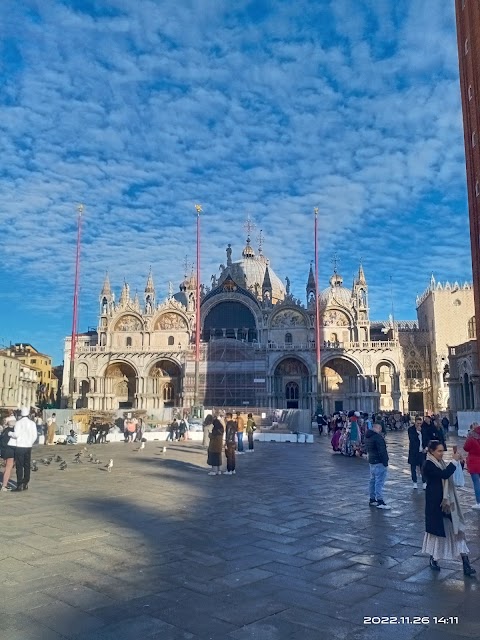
{"points": [[250, 440], [240, 440], [378, 475], [476, 485], [413, 468], [23, 459]]}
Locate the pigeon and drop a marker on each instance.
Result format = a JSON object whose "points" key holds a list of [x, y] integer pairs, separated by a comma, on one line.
{"points": [[109, 466], [142, 446], [79, 455], [34, 465], [164, 450], [63, 466], [45, 461], [59, 459]]}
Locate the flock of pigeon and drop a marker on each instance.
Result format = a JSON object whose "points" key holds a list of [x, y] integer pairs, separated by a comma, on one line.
{"points": [[79, 458]]}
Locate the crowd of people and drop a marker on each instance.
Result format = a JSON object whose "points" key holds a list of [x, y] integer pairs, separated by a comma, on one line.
{"points": [[226, 436], [352, 434]]}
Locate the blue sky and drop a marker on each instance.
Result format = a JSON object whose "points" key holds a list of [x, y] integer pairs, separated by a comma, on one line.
{"points": [[264, 108]]}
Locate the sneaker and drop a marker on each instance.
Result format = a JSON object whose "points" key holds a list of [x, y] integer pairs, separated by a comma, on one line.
{"points": [[373, 502], [5, 489], [475, 506], [381, 505], [415, 485], [424, 485], [233, 472], [218, 473], [212, 473], [227, 473]]}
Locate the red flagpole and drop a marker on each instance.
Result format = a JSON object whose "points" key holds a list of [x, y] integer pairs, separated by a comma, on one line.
{"points": [[73, 344], [319, 407], [198, 209]]}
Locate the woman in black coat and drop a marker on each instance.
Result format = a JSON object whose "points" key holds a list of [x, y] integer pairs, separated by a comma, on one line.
{"points": [[444, 522], [416, 455]]}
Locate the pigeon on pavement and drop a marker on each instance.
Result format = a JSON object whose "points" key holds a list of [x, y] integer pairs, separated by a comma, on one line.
{"points": [[63, 466], [109, 466]]}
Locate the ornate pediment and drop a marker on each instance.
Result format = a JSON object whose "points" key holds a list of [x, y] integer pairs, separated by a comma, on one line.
{"points": [[169, 320], [128, 322], [287, 318]]}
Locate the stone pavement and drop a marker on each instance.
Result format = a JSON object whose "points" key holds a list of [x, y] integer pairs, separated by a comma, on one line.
{"points": [[286, 549]]}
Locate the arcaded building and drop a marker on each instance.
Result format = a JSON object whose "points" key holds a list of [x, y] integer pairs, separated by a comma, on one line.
{"points": [[257, 345]]}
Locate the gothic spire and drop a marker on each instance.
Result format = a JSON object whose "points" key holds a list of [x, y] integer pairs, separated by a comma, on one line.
{"points": [[125, 295], [311, 280], [150, 287], [361, 275], [106, 289]]}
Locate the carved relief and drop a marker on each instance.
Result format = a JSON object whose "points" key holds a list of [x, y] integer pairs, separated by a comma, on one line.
{"points": [[164, 369], [334, 318], [128, 323], [115, 372], [288, 318], [82, 370], [171, 321]]}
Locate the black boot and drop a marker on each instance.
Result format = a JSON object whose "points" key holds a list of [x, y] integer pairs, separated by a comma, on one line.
{"points": [[434, 564], [468, 570]]}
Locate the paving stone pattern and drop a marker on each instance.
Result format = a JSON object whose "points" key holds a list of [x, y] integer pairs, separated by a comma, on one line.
{"points": [[286, 549]]}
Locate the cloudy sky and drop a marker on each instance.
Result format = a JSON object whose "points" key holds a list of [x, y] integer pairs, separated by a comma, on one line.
{"points": [[264, 108]]}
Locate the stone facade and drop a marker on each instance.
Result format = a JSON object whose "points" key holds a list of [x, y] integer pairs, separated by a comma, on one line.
{"points": [[18, 382], [258, 346]]}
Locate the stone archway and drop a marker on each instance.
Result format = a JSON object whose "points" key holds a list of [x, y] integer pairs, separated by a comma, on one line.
{"points": [[164, 385], [291, 384], [230, 319], [340, 385], [388, 385], [121, 385]]}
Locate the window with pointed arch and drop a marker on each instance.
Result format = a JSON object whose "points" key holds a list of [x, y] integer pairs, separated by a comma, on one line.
{"points": [[292, 391], [129, 342], [168, 392], [472, 330], [171, 341], [288, 338], [414, 371]]}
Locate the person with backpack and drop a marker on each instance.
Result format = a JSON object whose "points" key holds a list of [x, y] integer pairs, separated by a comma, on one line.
{"points": [[251, 428]]}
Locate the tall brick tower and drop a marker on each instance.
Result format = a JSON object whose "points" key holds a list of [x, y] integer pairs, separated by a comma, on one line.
{"points": [[468, 38]]}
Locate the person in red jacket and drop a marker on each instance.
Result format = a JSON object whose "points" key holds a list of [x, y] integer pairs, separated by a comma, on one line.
{"points": [[472, 447]]}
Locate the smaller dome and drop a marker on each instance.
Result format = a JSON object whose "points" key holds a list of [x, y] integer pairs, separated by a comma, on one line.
{"points": [[336, 294]]}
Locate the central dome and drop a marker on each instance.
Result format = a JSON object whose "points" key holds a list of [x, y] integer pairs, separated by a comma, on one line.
{"points": [[250, 273], [336, 295]]}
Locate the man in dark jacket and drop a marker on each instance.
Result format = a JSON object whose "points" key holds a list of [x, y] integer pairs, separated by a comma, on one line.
{"points": [[416, 455], [429, 432], [378, 461]]}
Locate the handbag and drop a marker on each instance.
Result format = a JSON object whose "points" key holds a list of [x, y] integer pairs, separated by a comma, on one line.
{"points": [[459, 477]]}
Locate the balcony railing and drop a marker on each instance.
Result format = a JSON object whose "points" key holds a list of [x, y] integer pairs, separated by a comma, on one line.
{"points": [[270, 346]]}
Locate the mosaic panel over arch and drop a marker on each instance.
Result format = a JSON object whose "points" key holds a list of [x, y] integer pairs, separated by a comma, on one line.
{"points": [[288, 318], [128, 323], [171, 320]]}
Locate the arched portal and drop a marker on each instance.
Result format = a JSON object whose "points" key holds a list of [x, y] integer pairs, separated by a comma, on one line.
{"points": [[83, 389], [230, 319], [164, 384], [340, 381], [291, 384], [121, 384], [389, 384]]}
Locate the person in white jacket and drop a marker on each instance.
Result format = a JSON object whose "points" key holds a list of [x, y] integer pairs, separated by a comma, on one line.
{"points": [[23, 437]]}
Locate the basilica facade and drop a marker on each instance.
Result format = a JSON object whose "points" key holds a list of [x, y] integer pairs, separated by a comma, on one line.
{"points": [[257, 347]]}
